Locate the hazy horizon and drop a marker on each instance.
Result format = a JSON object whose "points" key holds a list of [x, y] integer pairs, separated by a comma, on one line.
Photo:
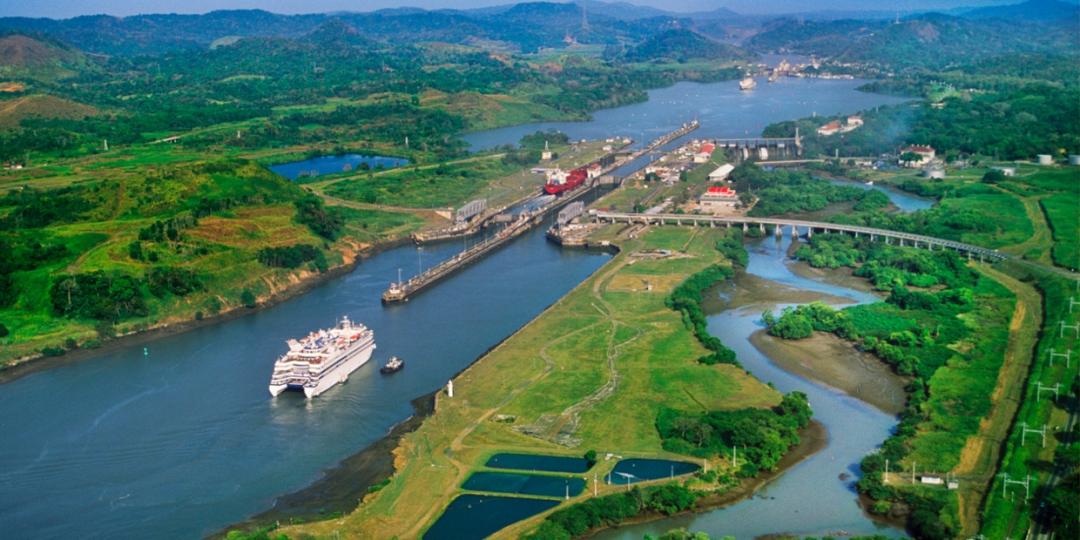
{"points": [[62, 9]]}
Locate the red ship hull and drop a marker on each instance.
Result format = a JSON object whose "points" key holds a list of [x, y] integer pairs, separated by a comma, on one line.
{"points": [[573, 180]]}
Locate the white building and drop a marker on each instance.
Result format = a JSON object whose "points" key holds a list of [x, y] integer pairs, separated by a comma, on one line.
{"points": [[721, 173], [926, 155]]}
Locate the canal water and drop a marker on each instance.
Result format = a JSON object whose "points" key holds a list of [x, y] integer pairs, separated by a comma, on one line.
{"points": [[723, 110], [186, 440]]}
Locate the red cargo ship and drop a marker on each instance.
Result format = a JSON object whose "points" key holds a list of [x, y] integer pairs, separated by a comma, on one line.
{"points": [[559, 181]]}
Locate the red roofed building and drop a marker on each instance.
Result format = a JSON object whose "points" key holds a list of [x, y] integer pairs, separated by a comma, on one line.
{"points": [[704, 153], [718, 199], [829, 129]]}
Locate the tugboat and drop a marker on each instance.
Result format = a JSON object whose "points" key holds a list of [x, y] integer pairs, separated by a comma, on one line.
{"points": [[393, 366]]}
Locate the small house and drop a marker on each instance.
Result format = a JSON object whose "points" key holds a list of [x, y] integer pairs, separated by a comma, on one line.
{"points": [[925, 153]]}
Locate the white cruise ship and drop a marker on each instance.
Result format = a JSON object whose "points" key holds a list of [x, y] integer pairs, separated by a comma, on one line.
{"points": [[322, 359]]}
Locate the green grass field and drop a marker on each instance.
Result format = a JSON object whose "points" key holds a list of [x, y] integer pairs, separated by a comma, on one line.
{"points": [[609, 349], [1062, 213]]}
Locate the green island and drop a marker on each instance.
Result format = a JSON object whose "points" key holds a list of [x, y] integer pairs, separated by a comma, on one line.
{"points": [[138, 194]]}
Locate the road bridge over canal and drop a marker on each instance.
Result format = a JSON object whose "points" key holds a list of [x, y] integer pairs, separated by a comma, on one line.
{"points": [[798, 227]]}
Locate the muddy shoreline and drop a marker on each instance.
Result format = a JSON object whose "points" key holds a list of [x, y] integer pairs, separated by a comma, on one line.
{"points": [[342, 488], [34, 364], [833, 362]]}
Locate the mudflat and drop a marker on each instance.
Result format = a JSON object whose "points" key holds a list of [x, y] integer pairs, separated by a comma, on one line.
{"points": [[834, 362]]}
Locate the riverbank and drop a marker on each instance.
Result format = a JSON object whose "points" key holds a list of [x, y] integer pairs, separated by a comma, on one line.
{"points": [[836, 363], [28, 365], [344, 486]]}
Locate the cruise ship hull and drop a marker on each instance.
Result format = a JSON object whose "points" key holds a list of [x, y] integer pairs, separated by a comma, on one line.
{"points": [[340, 373]]}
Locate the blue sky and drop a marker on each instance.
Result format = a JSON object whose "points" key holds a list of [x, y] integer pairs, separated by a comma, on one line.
{"points": [[72, 8]]}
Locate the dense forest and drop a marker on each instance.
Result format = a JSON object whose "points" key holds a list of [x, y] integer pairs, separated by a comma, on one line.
{"points": [[1006, 125]]}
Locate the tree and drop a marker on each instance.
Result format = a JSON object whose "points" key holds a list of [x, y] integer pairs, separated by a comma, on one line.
{"points": [[590, 458], [4, 331], [909, 157], [993, 176], [247, 298]]}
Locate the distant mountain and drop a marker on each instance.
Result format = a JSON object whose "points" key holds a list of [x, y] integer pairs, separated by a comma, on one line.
{"points": [[1032, 10], [338, 33], [155, 34], [39, 58], [526, 27], [931, 40], [681, 45], [624, 10]]}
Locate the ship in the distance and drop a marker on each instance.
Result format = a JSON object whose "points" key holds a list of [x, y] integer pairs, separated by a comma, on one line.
{"points": [[747, 83], [322, 359], [558, 181]]}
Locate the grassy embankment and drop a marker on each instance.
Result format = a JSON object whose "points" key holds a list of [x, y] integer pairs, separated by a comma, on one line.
{"points": [[608, 350], [1007, 515], [91, 227], [453, 183]]}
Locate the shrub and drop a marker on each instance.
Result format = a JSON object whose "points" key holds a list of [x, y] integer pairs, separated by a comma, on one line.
{"points": [[288, 256], [247, 298], [97, 295], [162, 280]]}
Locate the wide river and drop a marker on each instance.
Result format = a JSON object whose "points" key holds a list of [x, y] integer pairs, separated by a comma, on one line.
{"points": [[185, 440]]}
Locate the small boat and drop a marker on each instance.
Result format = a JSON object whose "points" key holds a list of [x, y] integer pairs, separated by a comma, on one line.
{"points": [[393, 366], [869, 182], [747, 84]]}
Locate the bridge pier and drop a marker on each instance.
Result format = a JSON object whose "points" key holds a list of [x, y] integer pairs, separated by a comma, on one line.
{"points": [[794, 233], [809, 233], [761, 227], [745, 228], [778, 231]]}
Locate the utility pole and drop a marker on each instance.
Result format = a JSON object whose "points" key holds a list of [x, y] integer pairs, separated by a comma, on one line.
{"points": [[1039, 388], [1067, 355], [1075, 328], [1025, 430]]}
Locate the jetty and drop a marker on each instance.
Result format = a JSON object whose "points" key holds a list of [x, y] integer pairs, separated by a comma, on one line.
{"points": [[400, 291]]}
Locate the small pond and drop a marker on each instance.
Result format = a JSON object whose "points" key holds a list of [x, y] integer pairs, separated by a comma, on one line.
{"points": [[321, 165], [525, 484], [629, 471], [534, 462], [479, 516]]}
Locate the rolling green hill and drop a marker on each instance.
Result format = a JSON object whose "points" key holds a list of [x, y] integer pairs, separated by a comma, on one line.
{"points": [[681, 45]]}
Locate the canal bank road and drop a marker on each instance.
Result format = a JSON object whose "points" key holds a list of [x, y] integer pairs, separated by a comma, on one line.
{"points": [[185, 440]]}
